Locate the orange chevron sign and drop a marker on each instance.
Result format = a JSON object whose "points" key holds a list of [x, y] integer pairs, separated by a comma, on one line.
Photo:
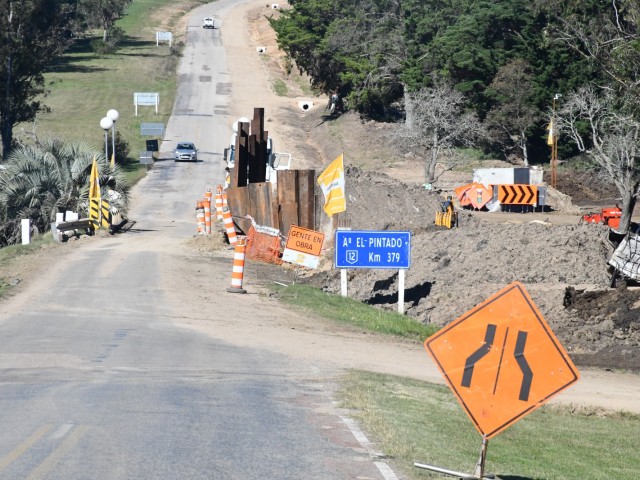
{"points": [[517, 194]]}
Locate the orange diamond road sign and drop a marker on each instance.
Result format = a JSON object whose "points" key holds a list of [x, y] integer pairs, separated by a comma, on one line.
{"points": [[501, 360]]}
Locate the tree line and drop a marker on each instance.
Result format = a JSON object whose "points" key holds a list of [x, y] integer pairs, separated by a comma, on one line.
{"points": [[478, 72], [34, 34], [50, 176]]}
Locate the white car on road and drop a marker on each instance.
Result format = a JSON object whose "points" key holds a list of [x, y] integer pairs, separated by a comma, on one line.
{"points": [[185, 151], [208, 23]]}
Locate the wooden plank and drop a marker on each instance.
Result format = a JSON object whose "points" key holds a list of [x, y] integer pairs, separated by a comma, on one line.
{"points": [[76, 224], [287, 186], [275, 218], [257, 124], [260, 203], [288, 216], [306, 198], [239, 172], [257, 161], [242, 224], [260, 152], [238, 200]]}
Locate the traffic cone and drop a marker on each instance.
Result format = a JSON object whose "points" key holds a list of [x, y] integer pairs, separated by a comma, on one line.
{"points": [[228, 225], [219, 202], [207, 215], [237, 274], [200, 217], [224, 198]]}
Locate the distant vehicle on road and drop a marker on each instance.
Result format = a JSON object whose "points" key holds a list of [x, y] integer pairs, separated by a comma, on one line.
{"points": [[185, 151], [208, 23]]}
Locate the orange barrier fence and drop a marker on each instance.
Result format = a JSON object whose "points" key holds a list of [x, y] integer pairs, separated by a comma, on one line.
{"points": [[264, 247], [237, 275]]}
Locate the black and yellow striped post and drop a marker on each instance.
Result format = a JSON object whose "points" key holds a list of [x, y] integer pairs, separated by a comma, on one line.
{"points": [[94, 196], [94, 213], [105, 217]]}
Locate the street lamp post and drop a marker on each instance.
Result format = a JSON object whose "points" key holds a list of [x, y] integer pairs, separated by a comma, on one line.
{"points": [[106, 123], [113, 115]]}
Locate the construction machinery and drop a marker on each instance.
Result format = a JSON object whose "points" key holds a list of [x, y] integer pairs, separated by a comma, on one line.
{"points": [[448, 217], [607, 216]]}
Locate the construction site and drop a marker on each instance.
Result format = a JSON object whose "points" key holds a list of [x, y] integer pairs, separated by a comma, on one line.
{"points": [[559, 250], [556, 241]]}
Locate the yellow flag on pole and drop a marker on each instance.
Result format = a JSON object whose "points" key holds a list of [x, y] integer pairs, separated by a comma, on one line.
{"points": [[95, 198], [552, 132], [331, 182], [113, 159]]}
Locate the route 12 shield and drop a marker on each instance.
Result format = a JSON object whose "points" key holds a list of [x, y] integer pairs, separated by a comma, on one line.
{"points": [[501, 360]]}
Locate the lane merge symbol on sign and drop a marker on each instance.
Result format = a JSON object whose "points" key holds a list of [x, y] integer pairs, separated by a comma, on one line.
{"points": [[501, 360]]}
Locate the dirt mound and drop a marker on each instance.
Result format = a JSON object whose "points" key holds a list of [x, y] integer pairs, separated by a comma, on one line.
{"points": [[562, 266]]}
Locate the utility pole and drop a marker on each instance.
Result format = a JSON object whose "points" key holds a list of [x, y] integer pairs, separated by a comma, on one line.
{"points": [[553, 141]]}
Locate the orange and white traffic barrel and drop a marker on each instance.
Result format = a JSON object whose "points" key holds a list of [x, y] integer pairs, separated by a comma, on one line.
{"points": [[237, 275], [219, 202], [224, 198], [228, 225], [200, 217], [207, 215]]}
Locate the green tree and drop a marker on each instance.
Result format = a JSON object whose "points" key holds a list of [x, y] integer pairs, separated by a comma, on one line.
{"points": [[33, 33], [470, 41], [354, 48], [369, 46], [103, 14], [50, 177], [510, 121]]}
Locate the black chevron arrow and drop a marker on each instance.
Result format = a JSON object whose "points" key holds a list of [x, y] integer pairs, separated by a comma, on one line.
{"points": [[527, 374], [471, 361]]}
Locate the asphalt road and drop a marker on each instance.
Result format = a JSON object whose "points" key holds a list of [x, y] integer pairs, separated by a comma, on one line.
{"points": [[97, 381]]}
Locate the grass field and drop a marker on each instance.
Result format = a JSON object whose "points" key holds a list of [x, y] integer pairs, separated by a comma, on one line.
{"points": [[84, 85], [352, 312], [420, 422], [413, 421]]}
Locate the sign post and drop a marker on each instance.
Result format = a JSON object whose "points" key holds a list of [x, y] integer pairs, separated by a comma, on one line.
{"points": [[378, 249], [164, 37], [151, 99], [502, 361]]}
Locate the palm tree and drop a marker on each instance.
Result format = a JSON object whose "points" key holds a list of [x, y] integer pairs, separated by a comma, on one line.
{"points": [[50, 177]]}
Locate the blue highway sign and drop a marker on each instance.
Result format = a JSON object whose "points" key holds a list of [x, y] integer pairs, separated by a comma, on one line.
{"points": [[372, 249]]}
